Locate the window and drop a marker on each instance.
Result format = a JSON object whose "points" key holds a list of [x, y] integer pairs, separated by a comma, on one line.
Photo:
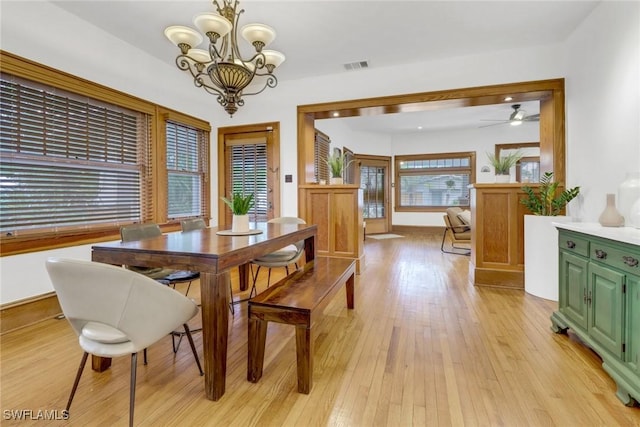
{"points": [[78, 160], [186, 170], [430, 182], [68, 161]]}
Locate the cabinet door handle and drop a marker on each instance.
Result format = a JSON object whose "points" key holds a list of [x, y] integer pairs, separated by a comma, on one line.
{"points": [[571, 244], [630, 261], [600, 254]]}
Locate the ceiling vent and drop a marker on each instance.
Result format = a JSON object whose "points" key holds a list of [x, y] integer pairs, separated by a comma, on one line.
{"points": [[356, 65]]}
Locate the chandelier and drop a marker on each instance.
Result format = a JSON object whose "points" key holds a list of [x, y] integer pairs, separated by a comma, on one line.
{"points": [[222, 70]]}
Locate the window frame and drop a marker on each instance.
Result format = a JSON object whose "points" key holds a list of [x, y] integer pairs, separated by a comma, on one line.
{"points": [[471, 155], [156, 193]]}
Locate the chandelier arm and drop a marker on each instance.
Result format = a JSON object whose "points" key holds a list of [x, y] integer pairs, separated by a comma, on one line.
{"points": [[271, 82]]}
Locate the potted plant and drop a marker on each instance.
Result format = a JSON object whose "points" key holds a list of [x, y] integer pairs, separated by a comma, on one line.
{"points": [[337, 164], [502, 165], [240, 206], [541, 237]]}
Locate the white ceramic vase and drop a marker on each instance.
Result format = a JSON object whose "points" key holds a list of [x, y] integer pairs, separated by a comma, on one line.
{"points": [[336, 181], [503, 179], [240, 223], [541, 255]]}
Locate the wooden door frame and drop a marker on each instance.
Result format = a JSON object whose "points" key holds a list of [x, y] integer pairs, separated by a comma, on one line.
{"points": [[388, 193], [550, 93], [274, 151]]}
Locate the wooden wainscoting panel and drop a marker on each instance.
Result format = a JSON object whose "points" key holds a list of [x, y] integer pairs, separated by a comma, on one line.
{"points": [[29, 311]]}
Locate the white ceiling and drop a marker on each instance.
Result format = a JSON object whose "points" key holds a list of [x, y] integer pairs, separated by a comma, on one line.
{"points": [[319, 37]]}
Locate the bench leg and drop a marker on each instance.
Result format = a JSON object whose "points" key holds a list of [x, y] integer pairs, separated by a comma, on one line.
{"points": [[304, 357], [349, 288], [256, 342]]}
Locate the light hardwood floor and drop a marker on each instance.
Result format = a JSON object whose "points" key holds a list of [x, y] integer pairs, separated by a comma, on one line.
{"points": [[423, 347]]}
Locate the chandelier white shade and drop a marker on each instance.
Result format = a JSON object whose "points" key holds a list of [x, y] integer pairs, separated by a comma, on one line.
{"points": [[221, 69]]}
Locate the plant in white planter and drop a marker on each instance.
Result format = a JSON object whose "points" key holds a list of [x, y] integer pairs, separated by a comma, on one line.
{"points": [[540, 236], [337, 163], [502, 164], [546, 201], [240, 206]]}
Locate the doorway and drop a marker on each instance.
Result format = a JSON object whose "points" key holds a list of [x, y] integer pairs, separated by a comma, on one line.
{"points": [[373, 176], [249, 163]]}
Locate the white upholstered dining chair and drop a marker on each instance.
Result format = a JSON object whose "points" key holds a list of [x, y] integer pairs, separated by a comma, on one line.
{"points": [[116, 312]]}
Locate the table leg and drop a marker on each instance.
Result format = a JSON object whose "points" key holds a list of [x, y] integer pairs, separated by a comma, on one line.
{"points": [[243, 276], [100, 364], [214, 291]]}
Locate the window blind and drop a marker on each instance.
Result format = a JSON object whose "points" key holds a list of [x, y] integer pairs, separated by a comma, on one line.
{"points": [[186, 166], [68, 160], [321, 147], [248, 175]]}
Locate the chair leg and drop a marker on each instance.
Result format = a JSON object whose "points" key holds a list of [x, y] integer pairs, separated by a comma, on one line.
{"points": [[132, 387], [193, 347], [453, 251], [269, 278], [83, 361], [175, 345], [144, 356], [254, 291]]}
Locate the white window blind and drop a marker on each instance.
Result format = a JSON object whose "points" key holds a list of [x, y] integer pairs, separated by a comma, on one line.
{"points": [[186, 166], [248, 175], [69, 161]]}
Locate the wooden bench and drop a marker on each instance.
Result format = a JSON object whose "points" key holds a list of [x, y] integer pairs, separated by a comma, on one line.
{"points": [[297, 300]]}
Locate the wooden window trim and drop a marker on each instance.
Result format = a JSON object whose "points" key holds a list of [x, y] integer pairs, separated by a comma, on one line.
{"points": [[433, 156], [38, 241]]}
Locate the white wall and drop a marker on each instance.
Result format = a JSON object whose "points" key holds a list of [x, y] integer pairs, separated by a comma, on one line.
{"points": [[602, 89], [603, 104]]}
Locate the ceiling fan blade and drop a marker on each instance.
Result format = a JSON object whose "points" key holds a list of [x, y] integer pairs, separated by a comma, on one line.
{"points": [[532, 118], [494, 120], [493, 124]]}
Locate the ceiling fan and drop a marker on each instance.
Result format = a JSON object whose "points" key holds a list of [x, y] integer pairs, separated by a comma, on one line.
{"points": [[515, 118]]}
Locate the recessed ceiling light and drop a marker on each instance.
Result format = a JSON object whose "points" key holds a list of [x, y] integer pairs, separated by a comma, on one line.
{"points": [[419, 127], [336, 114], [508, 98]]}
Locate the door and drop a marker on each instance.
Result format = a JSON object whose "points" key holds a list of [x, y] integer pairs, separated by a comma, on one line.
{"points": [[606, 308], [373, 177], [249, 163], [573, 288]]}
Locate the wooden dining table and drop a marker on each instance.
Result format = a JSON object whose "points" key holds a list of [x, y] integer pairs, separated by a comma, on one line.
{"points": [[213, 255]]}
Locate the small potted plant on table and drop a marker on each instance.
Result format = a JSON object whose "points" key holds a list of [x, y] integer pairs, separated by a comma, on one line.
{"points": [[337, 164], [240, 206]]}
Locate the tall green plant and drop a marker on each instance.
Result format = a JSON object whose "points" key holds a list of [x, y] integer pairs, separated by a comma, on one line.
{"points": [[502, 164], [545, 202], [337, 163], [239, 203]]}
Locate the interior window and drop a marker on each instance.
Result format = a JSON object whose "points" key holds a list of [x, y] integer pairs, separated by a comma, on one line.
{"points": [[428, 182]]}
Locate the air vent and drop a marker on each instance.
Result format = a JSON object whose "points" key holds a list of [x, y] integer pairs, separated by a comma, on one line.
{"points": [[356, 65]]}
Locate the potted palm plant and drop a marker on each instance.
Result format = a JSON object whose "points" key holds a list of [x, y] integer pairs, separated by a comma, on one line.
{"points": [[545, 203], [337, 164], [240, 206], [502, 165]]}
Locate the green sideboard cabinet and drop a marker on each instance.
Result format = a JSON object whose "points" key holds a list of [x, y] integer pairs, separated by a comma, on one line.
{"points": [[599, 298]]}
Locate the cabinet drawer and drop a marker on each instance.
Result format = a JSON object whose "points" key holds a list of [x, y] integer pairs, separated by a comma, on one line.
{"points": [[616, 257], [572, 243]]}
